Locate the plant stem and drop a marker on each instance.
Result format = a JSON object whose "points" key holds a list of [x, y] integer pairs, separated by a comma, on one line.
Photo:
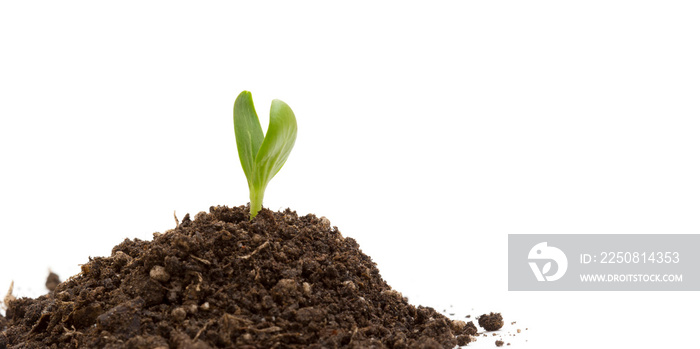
{"points": [[256, 198]]}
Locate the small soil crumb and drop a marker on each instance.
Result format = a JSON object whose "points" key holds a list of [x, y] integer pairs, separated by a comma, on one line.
{"points": [[468, 316], [458, 325], [52, 281], [513, 323], [158, 273], [178, 314], [325, 222], [464, 340], [499, 343], [491, 322], [518, 330]]}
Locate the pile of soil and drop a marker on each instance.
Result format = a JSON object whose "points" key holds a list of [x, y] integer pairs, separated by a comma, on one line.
{"points": [[222, 281]]}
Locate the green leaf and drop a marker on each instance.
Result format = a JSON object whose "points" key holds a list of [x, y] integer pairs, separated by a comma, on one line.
{"points": [[262, 157], [249, 134], [278, 143]]}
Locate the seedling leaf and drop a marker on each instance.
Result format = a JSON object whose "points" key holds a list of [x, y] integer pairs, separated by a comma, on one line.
{"points": [[249, 134], [262, 157], [278, 142]]}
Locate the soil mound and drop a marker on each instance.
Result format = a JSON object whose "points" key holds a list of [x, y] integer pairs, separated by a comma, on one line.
{"points": [[222, 281]]}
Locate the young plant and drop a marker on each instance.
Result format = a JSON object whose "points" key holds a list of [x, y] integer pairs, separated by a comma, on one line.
{"points": [[262, 156]]}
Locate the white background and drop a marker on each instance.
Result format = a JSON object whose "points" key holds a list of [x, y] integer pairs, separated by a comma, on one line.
{"points": [[427, 131]]}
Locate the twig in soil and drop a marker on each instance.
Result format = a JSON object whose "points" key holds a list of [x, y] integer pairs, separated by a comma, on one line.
{"points": [[177, 222], [256, 250], [72, 332], [201, 260], [226, 318], [280, 335], [202, 330], [354, 331], [267, 329], [9, 297], [41, 324]]}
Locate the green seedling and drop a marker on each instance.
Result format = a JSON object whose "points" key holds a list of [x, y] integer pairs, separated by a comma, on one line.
{"points": [[262, 156]]}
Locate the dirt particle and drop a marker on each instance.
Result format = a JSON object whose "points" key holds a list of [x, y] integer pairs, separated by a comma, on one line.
{"points": [[179, 314], [350, 285], [190, 308], [458, 325], [393, 293], [201, 217], [121, 259], [325, 223], [158, 273], [308, 314], [491, 322], [124, 318], [307, 288], [464, 340], [470, 329], [499, 343], [52, 281]]}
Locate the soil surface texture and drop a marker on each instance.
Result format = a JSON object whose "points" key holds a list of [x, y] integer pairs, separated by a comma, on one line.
{"points": [[223, 281]]}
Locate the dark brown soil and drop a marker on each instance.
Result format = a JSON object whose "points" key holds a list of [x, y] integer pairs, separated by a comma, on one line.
{"points": [[222, 281], [3, 324], [52, 281], [491, 322]]}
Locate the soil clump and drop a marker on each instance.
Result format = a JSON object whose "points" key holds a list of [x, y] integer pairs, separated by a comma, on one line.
{"points": [[224, 281], [491, 322], [52, 281]]}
